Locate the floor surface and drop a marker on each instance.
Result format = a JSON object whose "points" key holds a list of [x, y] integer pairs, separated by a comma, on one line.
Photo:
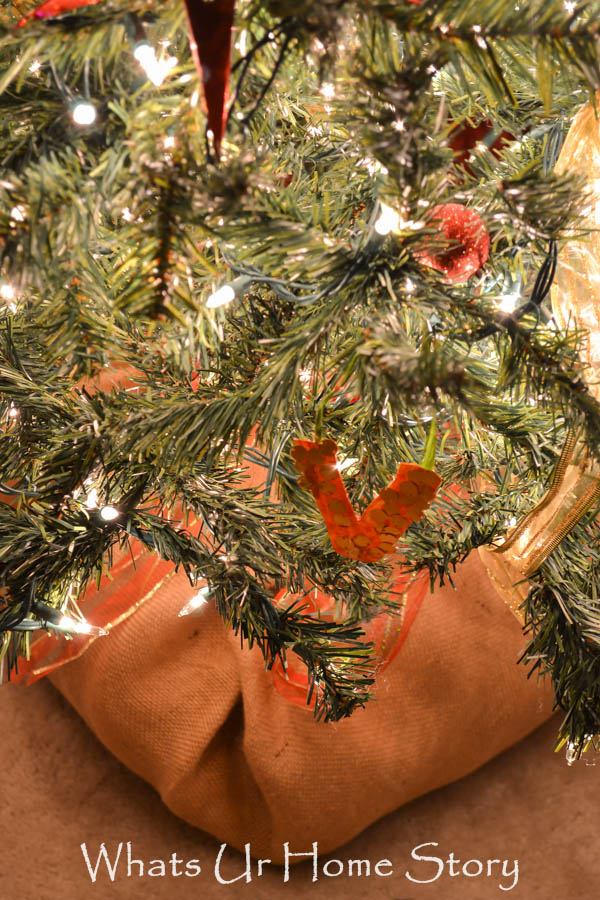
{"points": [[60, 789]]}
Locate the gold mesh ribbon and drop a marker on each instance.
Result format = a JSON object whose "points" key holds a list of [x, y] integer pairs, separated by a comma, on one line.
{"points": [[575, 487]]}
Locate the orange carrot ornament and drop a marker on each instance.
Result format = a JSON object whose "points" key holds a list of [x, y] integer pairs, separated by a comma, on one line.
{"points": [[373, 535]]}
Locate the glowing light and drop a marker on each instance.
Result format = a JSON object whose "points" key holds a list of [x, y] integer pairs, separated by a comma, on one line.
{"points": [[328, 90], [92, 499], [7, 292], [242, 45], [156, 69], [373, 166], [509, 302], [571, 753], [109, 513], [198, 600], [344, 464], [388, 220], [169, 142], [84, 113], [221, 296], [66, 623], [18, 213], [409, 286], [13, 411], [35, 67], [570, 6], [127, 214]]}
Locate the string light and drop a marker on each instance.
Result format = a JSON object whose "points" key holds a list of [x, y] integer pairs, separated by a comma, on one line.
{"points": [[228, 292], [68, 624], [221, 296], [51, 617], [109, 513], [328, 90], [7, 292], [18, 213], [388, 220], [84, 113], [508, 302], [198, 600], [156, 70]]}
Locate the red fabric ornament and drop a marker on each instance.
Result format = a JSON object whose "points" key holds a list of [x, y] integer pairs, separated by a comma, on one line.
{"points": [[464, 138], [210, 24], [468, 243], [373, 535], [54, 8], [210, 42]]}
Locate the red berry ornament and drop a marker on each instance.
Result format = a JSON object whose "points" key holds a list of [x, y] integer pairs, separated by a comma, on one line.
{"points": [[468, 242]]}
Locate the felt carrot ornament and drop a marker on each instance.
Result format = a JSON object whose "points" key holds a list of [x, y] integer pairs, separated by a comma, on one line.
{"points": [[374, 534]]}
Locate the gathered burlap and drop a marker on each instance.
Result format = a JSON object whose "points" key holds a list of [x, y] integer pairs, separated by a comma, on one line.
{"points": [[179, 702]]}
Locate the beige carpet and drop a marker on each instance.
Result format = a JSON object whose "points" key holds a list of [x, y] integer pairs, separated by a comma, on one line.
{"points": [[60, 788]]}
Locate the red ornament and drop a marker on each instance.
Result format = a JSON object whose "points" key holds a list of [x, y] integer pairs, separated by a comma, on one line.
{"points": [[468, 243], [54, 8], [210, 43], [464, 137], [375, 534]]}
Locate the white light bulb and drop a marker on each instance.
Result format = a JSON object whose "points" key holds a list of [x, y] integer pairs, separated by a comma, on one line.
{"points": [[508, 302], [66, 623], [221, 296], [199, 599], [84, 113], [109, 513], [388, 220], [155, 69]]}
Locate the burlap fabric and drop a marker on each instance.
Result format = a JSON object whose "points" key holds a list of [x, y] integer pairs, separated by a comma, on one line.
{"points": [[179, 702]]}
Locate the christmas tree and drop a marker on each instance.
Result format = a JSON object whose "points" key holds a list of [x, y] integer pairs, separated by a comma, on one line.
{"points": [[337, 229]]}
